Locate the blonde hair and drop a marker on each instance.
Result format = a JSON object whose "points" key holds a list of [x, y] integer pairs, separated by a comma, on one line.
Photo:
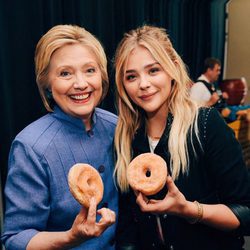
{"points": [[184, 110], [56, 38]]}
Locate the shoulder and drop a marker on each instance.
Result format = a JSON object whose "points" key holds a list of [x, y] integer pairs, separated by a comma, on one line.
{"points": [[38, 134], [198, 88], [106, 116], [212, 125], [198, 85], [210, 115]]}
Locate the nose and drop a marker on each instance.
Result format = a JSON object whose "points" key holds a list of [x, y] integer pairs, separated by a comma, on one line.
{"points": [[80, 82], [144, 82]]}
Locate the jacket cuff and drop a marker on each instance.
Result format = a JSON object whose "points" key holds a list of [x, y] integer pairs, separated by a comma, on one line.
{"points": [[243, 215]]}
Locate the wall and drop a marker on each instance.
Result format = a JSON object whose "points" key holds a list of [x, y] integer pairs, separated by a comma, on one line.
{"points": [[237, 63]]}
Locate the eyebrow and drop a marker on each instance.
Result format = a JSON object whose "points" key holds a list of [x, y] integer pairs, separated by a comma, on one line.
{"points": [[145, 67], [85, 64]]}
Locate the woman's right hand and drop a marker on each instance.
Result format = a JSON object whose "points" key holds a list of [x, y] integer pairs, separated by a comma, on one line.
{"points": [[173, 203], [85, 226]]}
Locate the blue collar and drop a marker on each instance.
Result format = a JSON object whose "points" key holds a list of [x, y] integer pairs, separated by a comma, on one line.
{"points": [[60, 114]]}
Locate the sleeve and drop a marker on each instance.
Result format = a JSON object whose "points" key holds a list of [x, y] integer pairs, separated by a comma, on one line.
{"points": [[227, 167], [126, 233], [27, 198]]}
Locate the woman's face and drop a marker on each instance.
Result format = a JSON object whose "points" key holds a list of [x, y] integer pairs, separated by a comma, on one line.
{"points": [[75, 80], [145, 81]]}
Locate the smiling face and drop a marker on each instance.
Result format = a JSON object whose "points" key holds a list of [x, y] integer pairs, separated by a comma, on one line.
{"points": [[146, 83], [75, 81]]}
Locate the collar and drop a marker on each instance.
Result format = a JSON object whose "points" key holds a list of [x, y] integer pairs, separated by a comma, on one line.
{"points": [[77, 122], [204, 78]]}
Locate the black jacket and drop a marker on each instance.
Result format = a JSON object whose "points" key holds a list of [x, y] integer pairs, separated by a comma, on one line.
{"points": [[217, 175]]}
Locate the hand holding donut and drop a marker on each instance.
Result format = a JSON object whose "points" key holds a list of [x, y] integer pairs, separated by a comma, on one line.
{"points": [[173, 203], [87, 188], [85, 226], [147, 175]]}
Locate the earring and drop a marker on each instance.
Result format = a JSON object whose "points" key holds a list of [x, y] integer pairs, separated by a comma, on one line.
{"points": [[48, 93]]}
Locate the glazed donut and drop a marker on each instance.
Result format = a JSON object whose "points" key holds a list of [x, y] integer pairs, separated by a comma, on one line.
{"points": [[84, 183], [147, 173]]}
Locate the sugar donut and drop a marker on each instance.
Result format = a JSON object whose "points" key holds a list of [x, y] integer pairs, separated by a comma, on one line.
{"points": [[84, 183], [147, 173]]}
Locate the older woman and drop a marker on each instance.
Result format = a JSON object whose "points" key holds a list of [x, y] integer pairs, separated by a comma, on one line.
{"points": [[40, 212]]}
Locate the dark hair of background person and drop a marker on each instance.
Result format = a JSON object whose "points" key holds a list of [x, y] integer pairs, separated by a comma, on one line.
{"points": [[196, 28], [209, 63]]}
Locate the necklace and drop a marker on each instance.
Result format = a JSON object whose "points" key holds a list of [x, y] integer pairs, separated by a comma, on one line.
{"points": [[155, 132], [155, 135]]}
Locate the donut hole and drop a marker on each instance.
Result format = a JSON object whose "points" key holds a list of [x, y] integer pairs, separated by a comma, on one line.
{"points": [[90, 182], [148, 172]]}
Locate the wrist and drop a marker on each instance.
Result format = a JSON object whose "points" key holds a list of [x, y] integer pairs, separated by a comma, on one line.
{"points": [[198, 215], [72, 239]]}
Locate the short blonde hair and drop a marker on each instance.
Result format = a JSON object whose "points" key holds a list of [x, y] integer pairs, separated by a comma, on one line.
{"points": [[56, 38]]}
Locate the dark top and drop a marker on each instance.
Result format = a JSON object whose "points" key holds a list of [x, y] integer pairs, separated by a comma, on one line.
{"points": [[217, 175]]}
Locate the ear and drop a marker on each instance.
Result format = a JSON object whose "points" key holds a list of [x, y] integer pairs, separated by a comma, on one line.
{"points": [[209, 70]]}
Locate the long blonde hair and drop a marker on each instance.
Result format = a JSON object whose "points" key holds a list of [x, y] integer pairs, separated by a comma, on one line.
{"points": [[57, 37], [184, 110]]}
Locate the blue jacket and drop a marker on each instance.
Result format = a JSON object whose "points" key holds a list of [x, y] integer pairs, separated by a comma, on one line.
{"points": [[37, 192]]}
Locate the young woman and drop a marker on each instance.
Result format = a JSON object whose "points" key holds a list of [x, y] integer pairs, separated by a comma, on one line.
{"points": [[207, 202], [40, 212]]}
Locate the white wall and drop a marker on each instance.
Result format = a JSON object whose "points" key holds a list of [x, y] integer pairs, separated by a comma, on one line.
{"points": [[237, 62]]}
